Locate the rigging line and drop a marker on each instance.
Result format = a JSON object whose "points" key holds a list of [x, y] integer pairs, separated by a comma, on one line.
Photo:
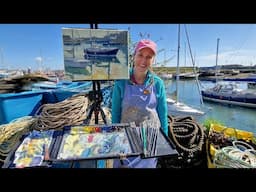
{"points": [[193, 62], [241, 44], [178, 67]]}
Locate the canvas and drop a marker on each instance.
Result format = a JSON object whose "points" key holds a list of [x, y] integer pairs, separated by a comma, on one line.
{"points": [[95, 54]]}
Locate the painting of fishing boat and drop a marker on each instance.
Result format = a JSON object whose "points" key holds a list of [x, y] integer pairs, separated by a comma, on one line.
{"points": [[90, 50]]}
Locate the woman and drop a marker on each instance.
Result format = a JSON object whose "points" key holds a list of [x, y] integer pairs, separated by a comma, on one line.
{"points": [[141, 97]]}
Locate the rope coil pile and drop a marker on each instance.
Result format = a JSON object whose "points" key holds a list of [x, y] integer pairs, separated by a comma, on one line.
{"points": [[19, 83], [233, 157], [189, 138], [72, 111], [11, 133], [231, 148], [187, 134]]}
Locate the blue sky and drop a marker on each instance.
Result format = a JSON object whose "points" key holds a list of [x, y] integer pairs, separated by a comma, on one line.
{"points": [[40, 45]]}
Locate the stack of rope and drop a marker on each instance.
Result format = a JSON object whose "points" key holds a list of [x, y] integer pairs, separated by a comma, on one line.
{"points": [[72, 111], [189, 138], [235, 157], [11, 133], [187, 134], [8, 86], [19, 83], [231, 148]]}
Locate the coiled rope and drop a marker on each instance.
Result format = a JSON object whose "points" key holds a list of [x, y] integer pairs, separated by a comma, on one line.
{"points": [[11, 133], [187, 134], [189, 138], [232, 148], [233, 157], [72, 111]]}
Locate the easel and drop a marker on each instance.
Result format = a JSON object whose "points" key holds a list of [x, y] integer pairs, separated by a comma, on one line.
{"points": [[96, 97]]}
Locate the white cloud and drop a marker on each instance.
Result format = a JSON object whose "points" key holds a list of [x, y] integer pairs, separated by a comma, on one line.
{"points": [[39, 59]]}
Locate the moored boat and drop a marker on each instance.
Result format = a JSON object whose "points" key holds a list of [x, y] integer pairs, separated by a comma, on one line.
{"points": [[26, 103], [16, 105], [230, 94], [251, 85], [178, 108]]}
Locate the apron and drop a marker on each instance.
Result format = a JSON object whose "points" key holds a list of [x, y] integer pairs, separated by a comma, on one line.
{"points": [[139, 104]]}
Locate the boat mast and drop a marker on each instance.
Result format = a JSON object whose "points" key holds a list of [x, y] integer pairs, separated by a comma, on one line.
{"points": [[217, 52], [73, 45], [2, 58], [39, 61], [194, 69], [185, 54], [178, 67]]}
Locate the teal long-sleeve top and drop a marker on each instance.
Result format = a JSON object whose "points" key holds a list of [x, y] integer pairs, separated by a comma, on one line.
{"points": [[118, 94]]}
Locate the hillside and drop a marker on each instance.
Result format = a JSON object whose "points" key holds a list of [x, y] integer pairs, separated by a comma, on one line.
{"points": [[171, 69]]}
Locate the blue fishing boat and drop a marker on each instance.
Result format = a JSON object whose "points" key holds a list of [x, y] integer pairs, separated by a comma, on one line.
{"points": [[230, 94], [15, 105]]}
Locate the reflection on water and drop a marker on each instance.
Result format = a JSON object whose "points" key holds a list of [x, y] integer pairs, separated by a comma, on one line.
{"points": [[231, 116], [104, 61]]}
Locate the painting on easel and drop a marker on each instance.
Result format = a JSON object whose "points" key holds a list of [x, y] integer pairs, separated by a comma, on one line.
{"points": [[95, 54]]}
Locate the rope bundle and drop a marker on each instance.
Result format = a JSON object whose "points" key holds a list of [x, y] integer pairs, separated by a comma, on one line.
{"points": [[11, 133], [233, 157], [231, 148], [19, 83], [189, 138], [72, 111], [187, 134]]}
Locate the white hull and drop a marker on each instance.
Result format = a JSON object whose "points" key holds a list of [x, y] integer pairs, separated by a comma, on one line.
{"points": [[165, 76], [250, 105], [178, 108], [230, 94]]}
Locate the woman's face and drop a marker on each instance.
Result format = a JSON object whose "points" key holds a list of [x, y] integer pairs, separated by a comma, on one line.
{"points": [[143, 59]]}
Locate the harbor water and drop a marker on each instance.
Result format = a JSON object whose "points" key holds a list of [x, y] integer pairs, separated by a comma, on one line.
{"points": [[231, 116]]}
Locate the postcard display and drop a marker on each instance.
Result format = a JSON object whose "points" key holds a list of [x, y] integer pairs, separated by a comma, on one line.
{"points": [[91, 142]]}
